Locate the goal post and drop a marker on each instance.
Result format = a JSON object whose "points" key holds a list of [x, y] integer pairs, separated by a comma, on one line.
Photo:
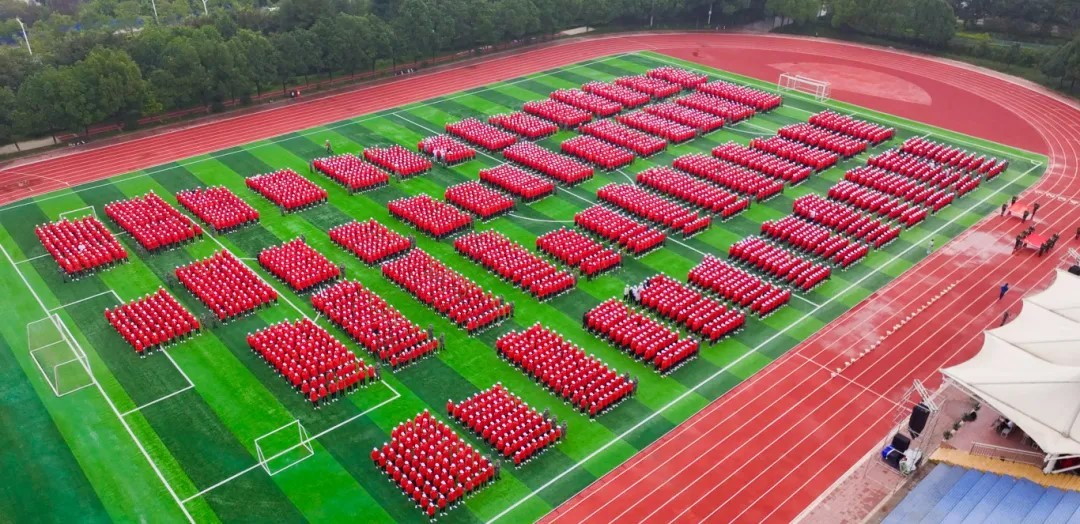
{"points": [[819, 89], [63, 364], [284, 448]]}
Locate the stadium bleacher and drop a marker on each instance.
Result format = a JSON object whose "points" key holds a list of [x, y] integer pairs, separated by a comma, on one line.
{"points": [[955, 494]]}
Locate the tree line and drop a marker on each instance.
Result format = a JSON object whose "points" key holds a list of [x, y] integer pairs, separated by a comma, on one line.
{"points": [[113, 61], [935, 24]]}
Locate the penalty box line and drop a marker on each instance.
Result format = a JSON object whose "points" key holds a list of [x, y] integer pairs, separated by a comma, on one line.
{"points": [[305, 443], [127, 427]]}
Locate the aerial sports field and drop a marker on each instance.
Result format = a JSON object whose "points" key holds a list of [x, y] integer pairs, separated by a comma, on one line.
{"points": [[172, 436]]}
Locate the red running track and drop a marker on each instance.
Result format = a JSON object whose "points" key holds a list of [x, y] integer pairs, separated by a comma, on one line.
{"points": [[768, 449], [745, 457]]}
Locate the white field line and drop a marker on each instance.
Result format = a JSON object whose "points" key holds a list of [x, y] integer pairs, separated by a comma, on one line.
{"points": [[804, 299], [303, 443], [155, 401], [123, 422], [32, 259], [91, 297], [514, 215], [688, 392]]}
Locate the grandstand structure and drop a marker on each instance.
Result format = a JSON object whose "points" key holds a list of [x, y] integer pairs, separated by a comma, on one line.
{"points": [[955, 494]]}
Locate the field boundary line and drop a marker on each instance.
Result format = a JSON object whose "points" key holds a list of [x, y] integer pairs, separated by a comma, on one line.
{"points": [[710, 378], [123, 422]]}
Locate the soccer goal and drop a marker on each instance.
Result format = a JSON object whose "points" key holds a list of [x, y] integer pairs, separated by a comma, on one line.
{"points": [[63, 364], [818, 88], [283, 448]]}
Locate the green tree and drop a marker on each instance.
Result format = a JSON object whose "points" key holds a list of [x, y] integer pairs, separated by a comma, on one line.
{"points": [[147, 48], [182, 81], [256, 57], [7, 117], [15, 66], [517, 17], [932, 22], [113, 86], [1064, 63], [414, 28], [51, 100], [796, 11]]}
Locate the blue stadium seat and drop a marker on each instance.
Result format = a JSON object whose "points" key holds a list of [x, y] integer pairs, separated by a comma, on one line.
{"points": [[990, 501], [1046, 504], [954, 496], [917, 503], [1020, 500], [977, 492], [1066, 510]]}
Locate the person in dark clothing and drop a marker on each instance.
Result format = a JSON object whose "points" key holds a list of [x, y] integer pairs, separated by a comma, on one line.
{"points": [[1013, 200], [1004, 289], [1025, 217], [1005, 318], [1005, 207], [1034, 209]]}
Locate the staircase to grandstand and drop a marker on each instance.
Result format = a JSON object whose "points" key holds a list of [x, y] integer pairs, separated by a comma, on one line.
{"points": [[955, 494]]}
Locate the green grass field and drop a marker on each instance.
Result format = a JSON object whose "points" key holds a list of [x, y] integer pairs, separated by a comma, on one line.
{"points": [[84, 456]]}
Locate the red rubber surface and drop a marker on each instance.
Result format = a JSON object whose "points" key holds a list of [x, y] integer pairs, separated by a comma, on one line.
{"points": [[747, 457]]}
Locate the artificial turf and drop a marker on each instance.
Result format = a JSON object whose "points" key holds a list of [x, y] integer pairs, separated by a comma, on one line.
{"points": [[78, 459]]}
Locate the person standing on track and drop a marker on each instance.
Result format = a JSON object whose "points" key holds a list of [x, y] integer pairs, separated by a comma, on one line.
{"points": [[1003, 208], [1004, 319], [1004, 289], [1034, 209]]}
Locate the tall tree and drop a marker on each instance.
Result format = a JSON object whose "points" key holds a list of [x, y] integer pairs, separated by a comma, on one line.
{"points": [[517, 17], [7, 117], [182, 81], [113, 86], [932, 21], [51, 100], [796, 11], [1064, 63], [256, 57], [415, 30]]}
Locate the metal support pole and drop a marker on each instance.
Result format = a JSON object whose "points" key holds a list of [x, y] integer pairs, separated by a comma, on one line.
{"points": [[25, 38]]}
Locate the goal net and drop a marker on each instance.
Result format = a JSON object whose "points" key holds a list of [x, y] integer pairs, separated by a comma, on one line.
{"points": [[63, 364], [284, 447], [818, 88]]}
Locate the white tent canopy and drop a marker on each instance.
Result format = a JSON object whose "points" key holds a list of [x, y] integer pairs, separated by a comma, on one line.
{"points": [[1062, 297], [1029, 370]]}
